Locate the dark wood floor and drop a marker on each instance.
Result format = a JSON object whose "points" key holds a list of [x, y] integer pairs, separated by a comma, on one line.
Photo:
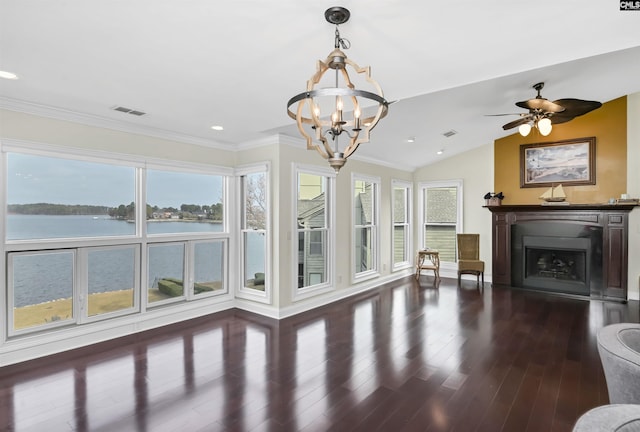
{"points": [[406, 357]]}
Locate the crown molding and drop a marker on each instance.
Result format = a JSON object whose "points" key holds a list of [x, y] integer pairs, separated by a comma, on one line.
{"points": [[103, 122], [121, 126], [260, 142]]}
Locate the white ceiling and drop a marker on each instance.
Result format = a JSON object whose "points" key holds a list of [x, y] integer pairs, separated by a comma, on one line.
{"points": [[191, 64]]}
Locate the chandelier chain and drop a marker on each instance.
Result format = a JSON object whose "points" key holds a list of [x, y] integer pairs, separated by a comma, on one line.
{"points": [[340, 41]]}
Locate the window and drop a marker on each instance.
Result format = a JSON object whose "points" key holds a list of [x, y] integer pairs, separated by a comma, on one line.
{"points": [[401, 234], [365, 206], [254, 210], [195, 198], [165, 272], [316, 241], [51, 197], [119, 287], [167, 279], [41, 289], [313, 216], [76, 237], [66, 286], [208, 267], [441, 204]]}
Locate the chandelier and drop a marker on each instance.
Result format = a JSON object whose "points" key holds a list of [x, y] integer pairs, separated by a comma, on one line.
{"points": [[332, 106]]}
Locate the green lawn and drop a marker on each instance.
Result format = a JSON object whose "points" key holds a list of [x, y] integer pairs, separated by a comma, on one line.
{"points": [[58, 310], [99, 303]]}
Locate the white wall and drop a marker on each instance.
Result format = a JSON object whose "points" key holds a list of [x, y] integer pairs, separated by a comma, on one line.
{"points": [[475, 168], [37, 129]]}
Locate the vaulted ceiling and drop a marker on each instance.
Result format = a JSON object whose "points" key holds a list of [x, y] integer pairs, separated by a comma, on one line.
{"points": [[192, 64]]}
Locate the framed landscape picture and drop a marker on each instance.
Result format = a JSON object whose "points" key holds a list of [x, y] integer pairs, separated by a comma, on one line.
{"points": [[569, 162]]}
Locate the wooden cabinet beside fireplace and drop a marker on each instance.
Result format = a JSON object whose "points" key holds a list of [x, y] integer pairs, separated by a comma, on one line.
{"points": [[613, 219]]}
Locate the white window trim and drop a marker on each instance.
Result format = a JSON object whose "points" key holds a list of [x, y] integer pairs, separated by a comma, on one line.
{"points": [[140, 238], [11, 330], [82, 300], [298, 294], [190, 267], [409, 234], [241, 291], [458, 183], [375, 229]]}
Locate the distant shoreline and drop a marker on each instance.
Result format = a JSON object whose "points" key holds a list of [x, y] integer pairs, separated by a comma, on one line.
{"points": [[106, 216], [182, 220]]}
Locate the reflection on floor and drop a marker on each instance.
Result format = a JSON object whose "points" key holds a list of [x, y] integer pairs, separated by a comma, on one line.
{"points": [[407, 356]]}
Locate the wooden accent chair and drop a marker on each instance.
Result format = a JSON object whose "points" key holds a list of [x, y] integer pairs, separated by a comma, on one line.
{"points": [[469, 256]]}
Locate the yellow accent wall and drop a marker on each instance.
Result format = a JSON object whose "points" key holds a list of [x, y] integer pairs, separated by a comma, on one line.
{"points": [[608, 124]]}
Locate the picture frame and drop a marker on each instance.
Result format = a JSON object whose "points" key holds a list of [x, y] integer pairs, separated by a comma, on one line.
{"points": [[569, 162]]}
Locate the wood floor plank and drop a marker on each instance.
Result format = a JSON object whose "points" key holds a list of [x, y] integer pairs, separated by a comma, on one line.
{"points": [[407, 356]]}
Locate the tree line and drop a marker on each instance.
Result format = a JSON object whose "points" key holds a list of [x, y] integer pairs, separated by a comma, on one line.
{"points": [[56, 209], [186, 211]]}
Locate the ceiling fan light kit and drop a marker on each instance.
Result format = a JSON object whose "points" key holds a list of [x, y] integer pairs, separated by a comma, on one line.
{"points": [[340, 98], [543, 114]]}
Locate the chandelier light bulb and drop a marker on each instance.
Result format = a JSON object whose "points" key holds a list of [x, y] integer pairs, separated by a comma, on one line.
{"points": [[544, 126], [524, 129]]}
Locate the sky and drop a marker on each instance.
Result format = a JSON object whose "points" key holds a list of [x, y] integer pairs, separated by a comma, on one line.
{"points": [[38, 179]]}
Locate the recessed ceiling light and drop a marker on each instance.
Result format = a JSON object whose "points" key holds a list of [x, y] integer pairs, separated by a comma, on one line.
{"points": [[411, 139], [217, 128], [440, 152], [8, 75]]}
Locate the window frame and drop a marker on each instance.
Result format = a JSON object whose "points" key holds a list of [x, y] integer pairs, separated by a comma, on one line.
{"points": [[408, 224], [10, 306], [82, 245], [83, 303], [298, 294], [242, 291], [422, 187], [374, 226]]}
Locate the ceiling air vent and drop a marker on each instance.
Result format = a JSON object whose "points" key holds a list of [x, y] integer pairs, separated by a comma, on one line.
{"points": [[128, 111], [449, 133]]}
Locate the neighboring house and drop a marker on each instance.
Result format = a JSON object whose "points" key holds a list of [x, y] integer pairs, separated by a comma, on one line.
{"points": [[311, 262]]}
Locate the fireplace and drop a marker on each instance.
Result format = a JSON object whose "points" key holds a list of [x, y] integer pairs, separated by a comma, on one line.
{"points": [[579, 249], [556, 257]]}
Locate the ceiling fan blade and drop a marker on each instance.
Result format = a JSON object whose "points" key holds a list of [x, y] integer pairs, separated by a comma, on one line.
{"points": [[560, 118], [516, 123], [577, 107], [541, 104], [506, 114]]}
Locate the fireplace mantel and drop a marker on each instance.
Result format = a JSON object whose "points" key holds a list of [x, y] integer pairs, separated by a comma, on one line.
{"points": [[613, 218], [548, 208]]}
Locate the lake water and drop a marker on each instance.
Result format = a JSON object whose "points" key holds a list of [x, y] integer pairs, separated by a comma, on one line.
{"points": [[41, 278]]}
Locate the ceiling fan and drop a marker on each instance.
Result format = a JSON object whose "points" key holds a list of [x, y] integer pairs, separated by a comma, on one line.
{"points": [[543, 113]]}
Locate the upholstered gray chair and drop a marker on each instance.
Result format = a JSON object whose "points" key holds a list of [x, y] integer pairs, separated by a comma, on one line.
{"points": [[619, 348], [618, 418]]}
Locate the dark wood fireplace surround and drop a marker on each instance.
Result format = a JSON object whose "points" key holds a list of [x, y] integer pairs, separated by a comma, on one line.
{"points": [[612, 218]]}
